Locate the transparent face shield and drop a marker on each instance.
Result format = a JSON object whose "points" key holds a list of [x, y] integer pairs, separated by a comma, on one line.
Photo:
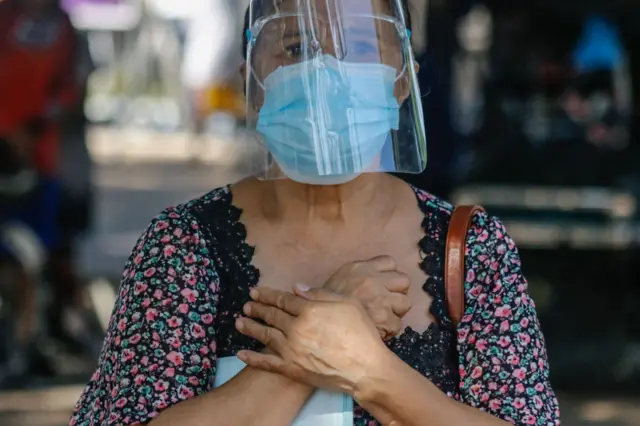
{"points": [[332, 90]]}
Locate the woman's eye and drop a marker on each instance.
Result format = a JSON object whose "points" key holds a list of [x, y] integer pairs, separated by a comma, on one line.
{"points": [[294, 50]]}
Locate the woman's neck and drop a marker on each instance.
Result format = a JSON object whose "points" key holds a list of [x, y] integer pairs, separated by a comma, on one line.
{"points": [[319, 212]]}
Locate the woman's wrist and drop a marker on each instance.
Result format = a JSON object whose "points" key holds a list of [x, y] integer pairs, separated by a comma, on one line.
{"points": [[380, 374]]}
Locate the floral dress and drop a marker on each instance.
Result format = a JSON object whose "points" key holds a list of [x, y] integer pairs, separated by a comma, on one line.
{"points": [[190, 274]]}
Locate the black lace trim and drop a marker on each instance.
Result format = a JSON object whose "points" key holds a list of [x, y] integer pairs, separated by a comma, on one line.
{"points": [[227, 237]]}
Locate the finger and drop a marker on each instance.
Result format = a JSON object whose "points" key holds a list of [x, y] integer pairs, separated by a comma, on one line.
{"points": [[387, 323], [288, 302], [266, 362], [317, 295], [400, 304], [275, 317], [264, 334], [384, 263], [397, 282]]}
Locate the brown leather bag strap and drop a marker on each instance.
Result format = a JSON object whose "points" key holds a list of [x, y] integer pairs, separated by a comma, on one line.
{"points": [[454, 271]]}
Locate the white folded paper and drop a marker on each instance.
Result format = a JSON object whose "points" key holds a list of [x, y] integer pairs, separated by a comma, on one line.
{"points": [[323, 408]]}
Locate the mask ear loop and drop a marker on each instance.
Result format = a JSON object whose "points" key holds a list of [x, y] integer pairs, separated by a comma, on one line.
{"points": [[405, 66]]}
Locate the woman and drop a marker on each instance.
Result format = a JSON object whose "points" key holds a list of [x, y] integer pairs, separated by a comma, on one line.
{"points": [[330, 91]]}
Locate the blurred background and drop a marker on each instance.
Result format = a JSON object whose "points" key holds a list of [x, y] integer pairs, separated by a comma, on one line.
{"points": [[530, 107]]}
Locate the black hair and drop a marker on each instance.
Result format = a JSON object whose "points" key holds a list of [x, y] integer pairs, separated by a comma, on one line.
{"points": [[247, 23]]}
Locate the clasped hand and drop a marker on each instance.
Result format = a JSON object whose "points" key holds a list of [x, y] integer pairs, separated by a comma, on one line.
{"points": [[329, 338]]}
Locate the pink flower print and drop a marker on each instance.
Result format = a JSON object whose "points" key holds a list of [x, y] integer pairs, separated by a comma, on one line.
{"points": [[191, 279], [524, 322], [503, 311], [174, 343], [138, 259], [463, 333], [144, 361], [134, 370], [472, 339], [519, 388], [504, 341], [151, 314], [161, 386], [476, 373], [189, 294], [494, 405], [204, 350], [121, 402], [122, 324], [183, 308], [212, 346], [476, 388], [166, 302], [504, 326], [492, 386], [140, 287], [177, 232], [150, 272], [537, 402], [471, 276], [176, 358], [135, 339], [139, 380], [169, 250], [529, 420], [481, 345], [146, 303], [154, 367], [484, 398], [171, 272], [170, 372], [185, 392], [519, 373], [158, 294], [539, 387], [160, 225], [194, 381], [484, 235], [174, 322], [206, 363], [207, 318], [165, 239], [173, 215], [190, 258], [524, 338], [128, 355], [475, 290], [197, 331]]}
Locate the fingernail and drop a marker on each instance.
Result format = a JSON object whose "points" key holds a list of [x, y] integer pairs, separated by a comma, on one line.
{"points": [[303, 287], [254, 294], [239, 324], [247, 309]]}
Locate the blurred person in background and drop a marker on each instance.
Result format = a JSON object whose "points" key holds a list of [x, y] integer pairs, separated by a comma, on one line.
{"points": [[37, 87], [343, 261], [75, 212]]}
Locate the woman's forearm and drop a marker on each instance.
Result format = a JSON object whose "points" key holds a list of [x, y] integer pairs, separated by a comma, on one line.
{"points": [[253, 397], [397, 395]]}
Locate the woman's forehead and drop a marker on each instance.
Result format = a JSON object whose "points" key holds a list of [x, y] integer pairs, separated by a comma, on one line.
{"points": [[323, 8]]}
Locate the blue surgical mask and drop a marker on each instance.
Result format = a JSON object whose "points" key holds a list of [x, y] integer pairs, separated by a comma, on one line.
{"points": [[326, 121]]}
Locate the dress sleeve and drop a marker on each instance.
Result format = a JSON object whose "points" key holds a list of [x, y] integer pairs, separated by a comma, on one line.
{"points": [[160, 345], [503, 359]]}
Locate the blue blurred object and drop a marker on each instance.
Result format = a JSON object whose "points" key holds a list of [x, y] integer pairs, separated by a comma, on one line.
{"points": [[599, 48]]}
